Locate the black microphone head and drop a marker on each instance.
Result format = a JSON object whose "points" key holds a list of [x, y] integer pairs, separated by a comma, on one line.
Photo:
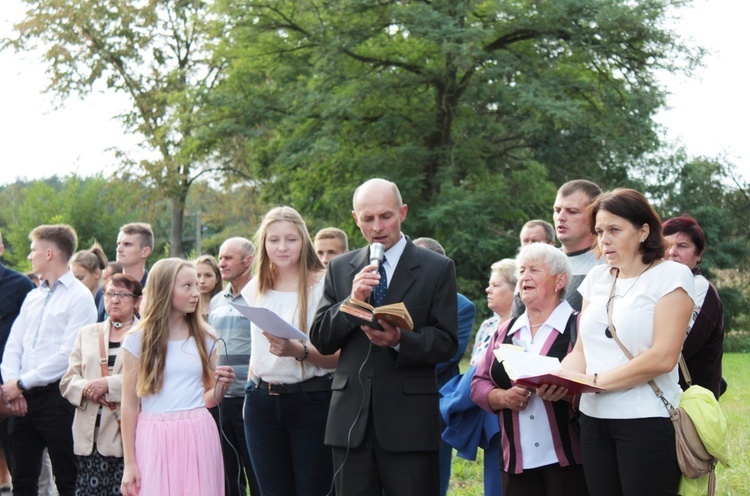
{"points": [[377, 252]]}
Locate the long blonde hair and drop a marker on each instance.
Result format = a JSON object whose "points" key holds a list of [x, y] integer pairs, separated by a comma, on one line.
{"points": [[154, 324], [309, 263]]}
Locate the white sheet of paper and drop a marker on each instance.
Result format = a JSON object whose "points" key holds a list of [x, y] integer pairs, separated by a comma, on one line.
{"points": [[269, 322], [519, 363]]}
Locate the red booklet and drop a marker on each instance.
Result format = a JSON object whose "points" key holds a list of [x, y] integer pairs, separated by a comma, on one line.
{"points": [[530, 370], [552, 379]]}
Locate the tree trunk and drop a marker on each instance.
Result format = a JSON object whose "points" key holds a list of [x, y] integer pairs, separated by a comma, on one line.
{"points": [[175, 235]]}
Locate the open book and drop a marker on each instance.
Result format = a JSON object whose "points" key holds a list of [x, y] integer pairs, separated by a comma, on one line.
{"points": [[361, 313], [530, 370]]}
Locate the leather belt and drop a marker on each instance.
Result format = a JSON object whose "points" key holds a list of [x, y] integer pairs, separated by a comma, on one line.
{"points": [[316, 384]]}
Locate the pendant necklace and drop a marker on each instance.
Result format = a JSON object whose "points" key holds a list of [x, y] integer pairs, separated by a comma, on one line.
{"points": [[634, 282], [118, 325]]}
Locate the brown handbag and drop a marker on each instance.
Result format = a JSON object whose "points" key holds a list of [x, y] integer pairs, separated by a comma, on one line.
{"points": [[693, 458]]}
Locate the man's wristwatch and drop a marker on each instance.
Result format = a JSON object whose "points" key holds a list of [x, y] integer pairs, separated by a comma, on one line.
{"points": [[21, 386]]}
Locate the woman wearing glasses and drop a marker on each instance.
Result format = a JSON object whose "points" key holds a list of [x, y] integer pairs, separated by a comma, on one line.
{"points": [[95, 388], [627, 438]]}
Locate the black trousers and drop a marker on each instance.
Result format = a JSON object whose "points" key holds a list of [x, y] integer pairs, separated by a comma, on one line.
{"points": [[629, 457], [5, 442], [369, 470], [238, 468], [48, 425], [552, 480]]}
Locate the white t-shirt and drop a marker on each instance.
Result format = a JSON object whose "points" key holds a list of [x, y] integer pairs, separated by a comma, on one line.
{"points": [[182, 388], [264, 364], [633, 316]]}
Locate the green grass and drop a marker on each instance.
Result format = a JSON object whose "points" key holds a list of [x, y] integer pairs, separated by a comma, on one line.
{"points": [[733, 481], [466, 478]]}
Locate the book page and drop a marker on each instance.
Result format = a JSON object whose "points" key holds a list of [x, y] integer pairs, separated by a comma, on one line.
{"points": [[519, 363]]}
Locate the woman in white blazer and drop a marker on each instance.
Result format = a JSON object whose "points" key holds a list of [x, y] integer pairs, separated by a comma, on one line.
{"points": [[93, 383]]}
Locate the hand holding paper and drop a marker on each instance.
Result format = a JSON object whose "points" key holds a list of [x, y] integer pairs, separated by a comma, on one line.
{"points": [[269, 322]]}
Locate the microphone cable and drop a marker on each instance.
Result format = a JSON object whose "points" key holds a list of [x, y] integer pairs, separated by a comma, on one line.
{"points": [[220, 423], [376, 255], [356, 419]]}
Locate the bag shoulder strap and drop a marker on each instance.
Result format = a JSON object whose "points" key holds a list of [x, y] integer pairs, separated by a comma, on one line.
{"points": [[103, 358], [104, 362], [685, 371], [610, 308]]}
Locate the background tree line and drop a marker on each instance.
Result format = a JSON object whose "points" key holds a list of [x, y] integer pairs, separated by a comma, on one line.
{"points": [[710, 190], [477, 109]]}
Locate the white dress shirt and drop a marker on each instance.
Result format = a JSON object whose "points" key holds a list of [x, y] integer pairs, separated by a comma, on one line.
{"points": [[43, 335]]}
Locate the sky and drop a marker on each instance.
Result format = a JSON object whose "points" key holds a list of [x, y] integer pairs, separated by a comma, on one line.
{"points": [[707, 112]]}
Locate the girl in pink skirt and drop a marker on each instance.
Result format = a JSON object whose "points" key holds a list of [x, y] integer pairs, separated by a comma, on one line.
{"points": [[170, 378]]}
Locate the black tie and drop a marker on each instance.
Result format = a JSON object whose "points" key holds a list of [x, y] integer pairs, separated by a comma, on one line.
{"points": [[378, 292]]}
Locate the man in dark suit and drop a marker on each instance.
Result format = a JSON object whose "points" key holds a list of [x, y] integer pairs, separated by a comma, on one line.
{"points": [[383, 423]]}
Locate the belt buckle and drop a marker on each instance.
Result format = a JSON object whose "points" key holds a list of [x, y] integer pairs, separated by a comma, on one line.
{"points": [[271, 392]]}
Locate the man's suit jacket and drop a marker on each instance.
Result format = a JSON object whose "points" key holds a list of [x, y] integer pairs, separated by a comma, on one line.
{"points": [[399, 388], [84, 366]]}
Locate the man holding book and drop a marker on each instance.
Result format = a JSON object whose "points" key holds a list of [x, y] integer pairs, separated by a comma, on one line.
{"points": [[383, 423]]}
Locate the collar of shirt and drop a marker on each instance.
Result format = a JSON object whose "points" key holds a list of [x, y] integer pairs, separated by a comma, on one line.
{"points": [[66, 280], [558, 319], [392, 256]]}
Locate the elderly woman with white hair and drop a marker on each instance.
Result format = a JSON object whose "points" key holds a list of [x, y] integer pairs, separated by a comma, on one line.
{"points": [[541, 452]]}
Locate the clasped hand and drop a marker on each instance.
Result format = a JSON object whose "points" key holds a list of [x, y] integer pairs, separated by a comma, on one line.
{"points": [[362, 286], [96, 390]]}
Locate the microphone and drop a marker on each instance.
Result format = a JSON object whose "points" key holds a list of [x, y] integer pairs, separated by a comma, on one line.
{"points": [[377, 252]]}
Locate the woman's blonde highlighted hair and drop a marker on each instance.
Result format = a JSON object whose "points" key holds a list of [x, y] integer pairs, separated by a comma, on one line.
{"points": [[309, 263], [155, 311]]}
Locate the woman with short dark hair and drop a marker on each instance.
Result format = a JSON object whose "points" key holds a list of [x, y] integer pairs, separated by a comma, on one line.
{"points": [[704, 346], [627, 438]]}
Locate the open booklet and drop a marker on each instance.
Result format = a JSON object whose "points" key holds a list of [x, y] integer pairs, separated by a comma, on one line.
{"points": [[530, 370], [361, 313]]}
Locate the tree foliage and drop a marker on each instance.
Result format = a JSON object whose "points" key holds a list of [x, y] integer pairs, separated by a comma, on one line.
{"points": [[159, 54], [710, 190], [94, 206], [433, 93], [474, 108]]}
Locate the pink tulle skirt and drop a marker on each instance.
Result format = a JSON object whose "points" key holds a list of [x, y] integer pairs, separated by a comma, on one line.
{"points": [[179, 454]]}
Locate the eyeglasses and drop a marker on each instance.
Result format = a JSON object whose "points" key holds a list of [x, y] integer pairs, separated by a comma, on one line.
{"points": [[119, 296]]}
